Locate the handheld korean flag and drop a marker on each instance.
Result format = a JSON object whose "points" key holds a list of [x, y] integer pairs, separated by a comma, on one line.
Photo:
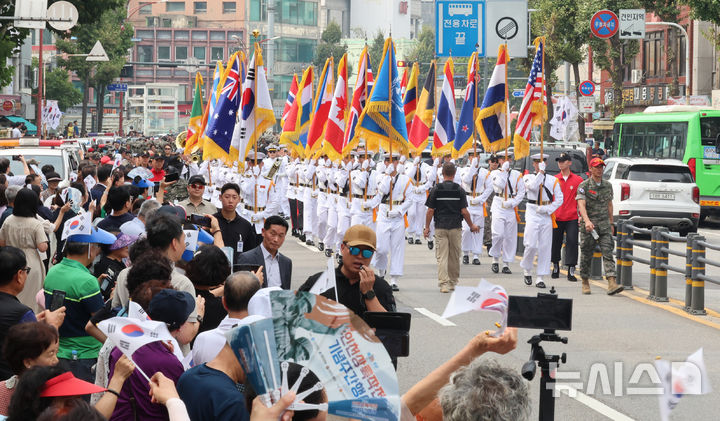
{"points": [[326, 280], [484, 297], [79, 225], [681, 378], [89, 182]]}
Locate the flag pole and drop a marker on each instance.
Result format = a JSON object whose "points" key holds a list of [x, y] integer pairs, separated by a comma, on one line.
{"points": [[475, 84], [507, 110], [255, 76], [390, 104]]}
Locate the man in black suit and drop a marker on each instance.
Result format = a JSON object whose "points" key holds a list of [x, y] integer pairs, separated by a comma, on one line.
{"points": [[277, 268]]}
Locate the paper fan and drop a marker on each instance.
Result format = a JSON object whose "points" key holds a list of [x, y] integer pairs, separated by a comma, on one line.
{"points": [[143, 172]]}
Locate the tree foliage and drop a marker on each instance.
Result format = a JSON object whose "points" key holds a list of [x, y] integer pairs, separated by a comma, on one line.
{"points": [[11, 39], [424, 51], [59, 87], [330, 46], [375, 51]]}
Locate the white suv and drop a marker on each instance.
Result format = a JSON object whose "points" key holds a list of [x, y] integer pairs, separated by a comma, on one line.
{"points": [[652, 192]]}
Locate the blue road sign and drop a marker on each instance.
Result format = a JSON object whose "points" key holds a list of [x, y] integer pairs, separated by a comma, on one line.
{"points": [[587, 88], [518, 93], [459, 27], [604, 24], [117, 87]]}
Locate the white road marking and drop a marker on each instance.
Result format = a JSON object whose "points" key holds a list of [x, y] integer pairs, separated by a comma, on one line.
{"points": [[591, 403], [311, 248], [714, 233], [429, 314]]}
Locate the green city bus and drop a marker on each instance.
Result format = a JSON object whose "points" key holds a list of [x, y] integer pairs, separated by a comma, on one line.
{"points": [[688, 133]]}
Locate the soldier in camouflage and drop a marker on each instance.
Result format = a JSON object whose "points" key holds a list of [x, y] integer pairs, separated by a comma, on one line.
{"points": [[178, 190], [594, 199]]}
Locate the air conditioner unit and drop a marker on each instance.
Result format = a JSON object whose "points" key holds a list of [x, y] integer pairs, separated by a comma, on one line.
{"points": [[636, 76]]}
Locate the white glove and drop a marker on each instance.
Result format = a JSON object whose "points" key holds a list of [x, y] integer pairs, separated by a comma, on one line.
{"points": [[542, 166], [256, 170], [297, 161], [366, 204], [395, 213], [506, 204], [452, 161], [366, 164], [400, 168], [389, 169], [381, 167], [403, 158], [321, 162], [312, 161], [416, 160], [506, 166], [436, 162], [475, 201], [474, 162]]}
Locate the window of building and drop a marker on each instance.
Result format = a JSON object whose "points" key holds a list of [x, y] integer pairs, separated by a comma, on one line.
{"points": [[144, 73], [200, 7], [163, 52], [164, 73], [145, 53], [151, 22], [145, 34], [181, 73], [653, 45], [182, 35], [229, 7], [181, 52], [258, 10], [298, 12], [296, 49], [680, 51], [217, 53], [199, 53], [217, 36], [230, 35], [175, 6], [166, 23], [163, 35], [145, 9], [282, 86], [199, 35]]}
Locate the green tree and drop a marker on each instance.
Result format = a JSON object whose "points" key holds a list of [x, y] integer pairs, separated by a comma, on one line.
{"points": [[59, 87], [614, 54], [707, 10], [375, 51], [330, 46], [424, 51], [11, 39], [114, 34]]}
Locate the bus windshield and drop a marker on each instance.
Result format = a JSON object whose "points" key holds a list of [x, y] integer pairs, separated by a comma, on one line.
{"points": [[653, 140]]}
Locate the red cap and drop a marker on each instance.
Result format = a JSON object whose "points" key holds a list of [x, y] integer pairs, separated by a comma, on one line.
{"points": [[596, 162], [91, 150], [68, 385], [105, 160]]}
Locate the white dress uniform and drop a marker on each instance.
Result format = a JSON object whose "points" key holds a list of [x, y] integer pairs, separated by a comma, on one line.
{"points": [[282, 183], [331, 202], [509, 192], [267, 203], [391, 225], [365, 196], [544, 196], [310, 195], [344, 201], [417, 172], [476, 182], [321, 211]]}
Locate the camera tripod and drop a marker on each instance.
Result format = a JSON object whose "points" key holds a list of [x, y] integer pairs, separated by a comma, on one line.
{"points": [[545, 361]]}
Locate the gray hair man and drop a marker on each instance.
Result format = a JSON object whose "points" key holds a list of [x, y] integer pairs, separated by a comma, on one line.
{"points": [[485, 390]]}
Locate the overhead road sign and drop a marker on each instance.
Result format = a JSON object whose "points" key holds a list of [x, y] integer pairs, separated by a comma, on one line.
{"points": [[632, 23], [506, 20], [604, 24], [459, 28]]}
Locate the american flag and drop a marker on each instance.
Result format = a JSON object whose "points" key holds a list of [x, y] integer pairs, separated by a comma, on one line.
{"points": [[534, 105]]}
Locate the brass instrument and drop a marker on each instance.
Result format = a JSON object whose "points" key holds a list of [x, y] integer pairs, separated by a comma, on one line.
{"points": [[180, 140]]}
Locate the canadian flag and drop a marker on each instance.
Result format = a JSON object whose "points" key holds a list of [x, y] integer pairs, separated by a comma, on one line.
{"points": [[335, 129]]}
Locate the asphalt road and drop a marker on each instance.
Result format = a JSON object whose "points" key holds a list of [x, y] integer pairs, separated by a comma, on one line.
{"points": [[613, 338]]}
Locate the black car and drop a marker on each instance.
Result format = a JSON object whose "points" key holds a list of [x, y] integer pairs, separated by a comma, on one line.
{"points": [[579, 163]]}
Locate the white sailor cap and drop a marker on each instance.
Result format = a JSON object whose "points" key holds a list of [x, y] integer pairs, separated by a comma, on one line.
{"points": [[536, 157], [272, 148], [251, 156], [504, 153]]}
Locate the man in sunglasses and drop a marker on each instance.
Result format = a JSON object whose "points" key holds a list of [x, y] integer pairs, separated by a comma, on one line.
{"points": [[195, 204], [358, 288]]}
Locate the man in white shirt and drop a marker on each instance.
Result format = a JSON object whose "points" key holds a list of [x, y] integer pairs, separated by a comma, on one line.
{"points": [[16, 132], [277, 268], [239, 289]]}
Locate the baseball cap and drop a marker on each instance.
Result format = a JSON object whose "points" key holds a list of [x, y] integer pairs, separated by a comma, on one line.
{"points": [[141, 182], [172, 307], [197, 179], [177, 211], [564, 157], [68, 385], [360, 235], [105, 160], [597, 162], [53, 176], [97, 236], [123, 240]]}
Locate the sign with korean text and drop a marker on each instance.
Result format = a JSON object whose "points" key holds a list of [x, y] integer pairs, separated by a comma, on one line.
{"points": [[117, 87], [632, 23], [459, 28], [587, 88], [604, 24], [586, 104]]}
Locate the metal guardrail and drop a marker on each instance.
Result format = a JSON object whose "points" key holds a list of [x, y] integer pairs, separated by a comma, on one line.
{"points": [[660, 238]]}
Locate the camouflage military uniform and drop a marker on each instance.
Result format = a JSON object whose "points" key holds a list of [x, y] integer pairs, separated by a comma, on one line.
{"points": [[596, 204], [178, 191]]}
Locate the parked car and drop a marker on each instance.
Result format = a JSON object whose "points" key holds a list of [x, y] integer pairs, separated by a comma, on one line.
{"points": [[654, 192], [579, 162]]}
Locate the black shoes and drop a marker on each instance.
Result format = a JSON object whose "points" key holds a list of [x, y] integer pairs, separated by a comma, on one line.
{"points": [[417, 241], [410, 240], [302, 237], [506, 270], [571, 274], [495, 268], [321, 246], [328, 252], [395, 288], [466, 260], [309, 242], [556, 271], [528, 280], [431, 244], [476, 261], [540, 284]]}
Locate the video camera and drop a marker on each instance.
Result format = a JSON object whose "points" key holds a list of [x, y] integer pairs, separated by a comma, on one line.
{"points": [[549, 313]]}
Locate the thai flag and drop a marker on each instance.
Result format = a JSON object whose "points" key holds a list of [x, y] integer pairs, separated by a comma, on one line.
{"points": [[446, 115]]}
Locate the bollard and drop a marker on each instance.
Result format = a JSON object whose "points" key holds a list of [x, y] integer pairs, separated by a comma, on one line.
{"points": [[661, 257], [653, 253], [698, 285], [520, 250], [627, 252], [688, 270], [618, 250], [596, 266]]}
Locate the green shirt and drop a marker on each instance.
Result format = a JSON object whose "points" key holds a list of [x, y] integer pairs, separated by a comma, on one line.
{"points": [[82, 299]]}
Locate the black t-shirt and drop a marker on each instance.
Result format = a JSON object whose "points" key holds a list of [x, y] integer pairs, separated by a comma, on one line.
{"points": [[112, 223], [448, 200], [12, 312], [235, 231], [214, 310], [112, 268], [349, 294]]}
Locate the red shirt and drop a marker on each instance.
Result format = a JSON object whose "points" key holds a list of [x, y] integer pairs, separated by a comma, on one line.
{"points": [[157, 175], [568, 210]]}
